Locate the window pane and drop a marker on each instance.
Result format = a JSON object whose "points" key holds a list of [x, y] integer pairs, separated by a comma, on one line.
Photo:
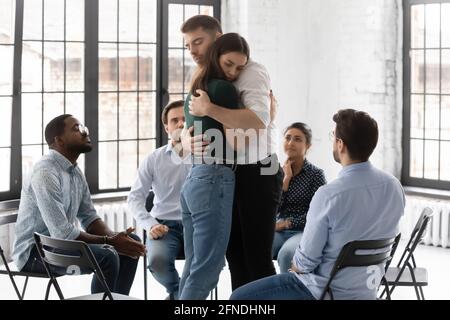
{"points": [[416, 162], [417, 71], [175, 97], [30, 155], [432, 117], [53, 66], [207, 10], [147, 20], [53, 107], [189, 69], [5, 163], [175, 71], [433, 17], [31, 118], [190, 11], [7, 15], [433, 71], [417, 116], [75, 20], [417, 26], [107, 165], [32, 67], [445, 118], [145, 148], [127, 163], [75, 67], [54, 20], [128, 20], [431, 160], [81, 162], [127, 67], [147, 67], [147, 115], [128, 116], [32, 20], [5, 121], [445, 161], [107, 20], [445, 82], [445, 25], [75, 105], [107, 67], [175, 23], [107, 116], [6, 74]]}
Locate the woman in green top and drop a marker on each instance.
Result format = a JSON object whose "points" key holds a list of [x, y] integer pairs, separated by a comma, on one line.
{"points": [[207, 194]]}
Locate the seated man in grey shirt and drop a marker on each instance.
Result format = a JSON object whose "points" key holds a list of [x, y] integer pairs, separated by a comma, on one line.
{"points": [[55, 195], [363, 203]]}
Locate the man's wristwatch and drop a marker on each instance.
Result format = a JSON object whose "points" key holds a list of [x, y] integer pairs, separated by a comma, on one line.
{"points": [[105, 239]]}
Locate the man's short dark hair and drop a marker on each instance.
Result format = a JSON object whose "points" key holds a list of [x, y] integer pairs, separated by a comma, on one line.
{"points": [[207, 23], [358, 131], [55, 128], [170, 106]]}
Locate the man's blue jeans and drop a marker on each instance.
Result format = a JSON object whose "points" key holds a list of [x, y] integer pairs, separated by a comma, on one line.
{"points": [[162, 254], [206, 205], [283, 249], [119, 270], [284, 286]]}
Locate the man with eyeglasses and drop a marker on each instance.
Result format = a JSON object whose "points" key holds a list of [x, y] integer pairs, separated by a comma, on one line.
{"points": [[55, 196]]}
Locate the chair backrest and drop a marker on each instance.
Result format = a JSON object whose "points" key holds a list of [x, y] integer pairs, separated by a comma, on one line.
{"points": [[361, 254], [416, 236], [68, 254], [149, 201]]}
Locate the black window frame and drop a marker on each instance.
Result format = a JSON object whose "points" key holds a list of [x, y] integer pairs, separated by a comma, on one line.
{"points": [[91, 88], [407, 180]]}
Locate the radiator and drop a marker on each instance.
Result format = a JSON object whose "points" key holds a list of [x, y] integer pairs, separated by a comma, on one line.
{"points": [[117, 216], [437, 233]]}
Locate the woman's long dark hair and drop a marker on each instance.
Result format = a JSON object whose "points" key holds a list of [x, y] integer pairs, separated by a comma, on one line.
{"points": [[229, 42]]}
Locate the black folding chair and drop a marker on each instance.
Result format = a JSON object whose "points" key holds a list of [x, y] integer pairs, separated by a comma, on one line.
{"points": [[148, 207], [406, 273], [10, 219], [69, 254], [380, 252]]}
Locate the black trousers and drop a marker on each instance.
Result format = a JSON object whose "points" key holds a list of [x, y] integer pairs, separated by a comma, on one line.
{"points": [[256, 200]]}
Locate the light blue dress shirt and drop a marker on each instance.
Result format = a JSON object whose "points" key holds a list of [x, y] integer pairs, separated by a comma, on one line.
{"points": [[164, 172], [363, 203], [55, 194]]}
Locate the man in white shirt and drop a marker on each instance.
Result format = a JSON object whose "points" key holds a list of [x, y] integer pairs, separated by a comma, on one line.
{"points": [[258, 173], [163, 172]]}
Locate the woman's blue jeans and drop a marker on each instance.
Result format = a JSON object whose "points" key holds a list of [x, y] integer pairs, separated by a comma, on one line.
{"points": [[206, 205]]}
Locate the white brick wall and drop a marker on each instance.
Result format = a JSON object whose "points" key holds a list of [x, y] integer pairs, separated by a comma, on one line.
{"points": [[324, 55]]}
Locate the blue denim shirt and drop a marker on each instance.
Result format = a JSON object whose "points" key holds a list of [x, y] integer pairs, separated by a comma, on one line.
{"points": [[363, 203], [54, 195]]}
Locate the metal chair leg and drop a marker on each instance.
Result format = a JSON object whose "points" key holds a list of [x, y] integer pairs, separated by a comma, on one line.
{"points": [[47, 292], [421, 293], [24, 287], [11, 277]]}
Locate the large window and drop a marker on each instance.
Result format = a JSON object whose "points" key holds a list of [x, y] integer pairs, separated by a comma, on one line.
{"points": [[427, 94], [113, 64], [7, 14]]}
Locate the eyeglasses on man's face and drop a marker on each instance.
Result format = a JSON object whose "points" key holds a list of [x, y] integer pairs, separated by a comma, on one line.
{"points": [[82, 129]]}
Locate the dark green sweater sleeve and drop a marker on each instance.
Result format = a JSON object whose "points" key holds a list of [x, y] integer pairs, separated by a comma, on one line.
{"points": [[224, 94]]}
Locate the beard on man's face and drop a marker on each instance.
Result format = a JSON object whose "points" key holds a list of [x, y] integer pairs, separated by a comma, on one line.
{"points": [[80, 148], [336, 156]]}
